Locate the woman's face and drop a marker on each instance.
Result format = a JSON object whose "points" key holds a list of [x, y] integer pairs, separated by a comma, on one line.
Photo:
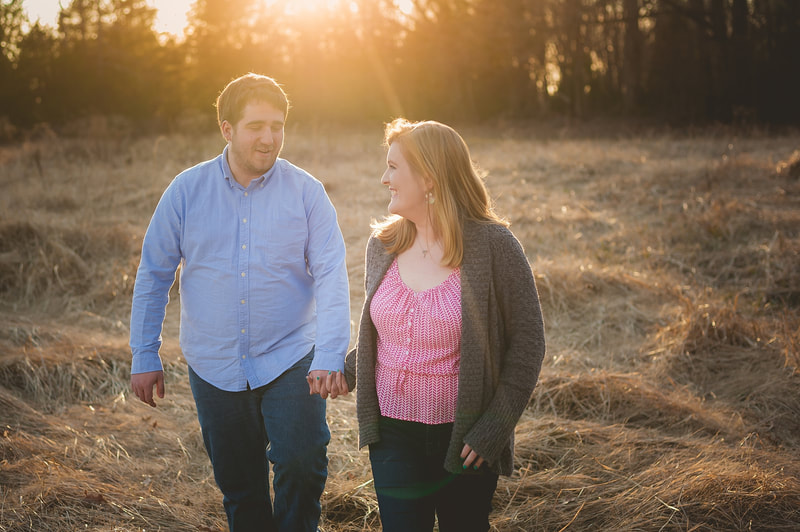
{"points": [[406, 187]]}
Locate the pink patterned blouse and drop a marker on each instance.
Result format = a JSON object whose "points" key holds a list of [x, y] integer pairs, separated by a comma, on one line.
{"points": [[419, 348]]}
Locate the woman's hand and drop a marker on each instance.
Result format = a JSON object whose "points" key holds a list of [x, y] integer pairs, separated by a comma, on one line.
{"points": [[326, 383], [471, 458]]}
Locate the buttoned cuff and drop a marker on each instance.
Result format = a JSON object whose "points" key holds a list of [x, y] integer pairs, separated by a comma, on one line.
{"points": [[327, 361], [146, 362]]}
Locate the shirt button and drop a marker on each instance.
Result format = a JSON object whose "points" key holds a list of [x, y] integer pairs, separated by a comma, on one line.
{"points": [[242, 274], [244, 246], [244, 220], [412, 310], [242, 331], [245, 195], [242, 301], [243, 357]]}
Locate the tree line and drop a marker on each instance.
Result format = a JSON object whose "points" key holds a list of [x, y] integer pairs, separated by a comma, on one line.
{"points": [[686, 61]]}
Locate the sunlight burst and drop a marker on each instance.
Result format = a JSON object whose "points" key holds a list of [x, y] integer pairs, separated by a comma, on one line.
{"points": [[296, 7], [171, 15], [405, 6]]}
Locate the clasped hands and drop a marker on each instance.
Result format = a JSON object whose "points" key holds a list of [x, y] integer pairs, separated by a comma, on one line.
{"points": [[327, 383], [333, 383]]}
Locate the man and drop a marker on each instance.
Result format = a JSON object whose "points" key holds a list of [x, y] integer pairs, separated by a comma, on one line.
{"points": [[264, 309]]}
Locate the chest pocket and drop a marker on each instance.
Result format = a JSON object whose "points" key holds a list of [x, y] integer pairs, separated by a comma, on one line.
{"points": [[281, 240]]}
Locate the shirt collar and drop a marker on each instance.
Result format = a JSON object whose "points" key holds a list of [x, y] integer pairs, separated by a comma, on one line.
{"points": [[228, 174]]}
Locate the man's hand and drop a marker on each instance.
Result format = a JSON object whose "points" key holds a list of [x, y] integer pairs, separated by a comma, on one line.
{"points": [[142, 385], [327, 383]]}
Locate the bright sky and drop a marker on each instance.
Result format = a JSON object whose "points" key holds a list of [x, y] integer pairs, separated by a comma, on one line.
{"points": [[171, 14], [170, 18]]}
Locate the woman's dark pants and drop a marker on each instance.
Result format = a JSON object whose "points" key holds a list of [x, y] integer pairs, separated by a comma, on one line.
{"points": [[413, 487]]}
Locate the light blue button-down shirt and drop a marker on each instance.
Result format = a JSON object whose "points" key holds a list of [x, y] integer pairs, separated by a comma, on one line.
{"points": [[262, 279]]}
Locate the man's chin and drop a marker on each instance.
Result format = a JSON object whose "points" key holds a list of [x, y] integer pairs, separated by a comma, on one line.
{"points": [[264, 166]]}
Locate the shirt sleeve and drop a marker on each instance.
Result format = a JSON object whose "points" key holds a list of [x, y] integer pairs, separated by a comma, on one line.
{"points": [[325, 254], [161, 256]]}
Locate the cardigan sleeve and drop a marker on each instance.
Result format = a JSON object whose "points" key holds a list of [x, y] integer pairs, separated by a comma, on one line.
{"points": [[524, 347], [373, 250], [350, 369]]}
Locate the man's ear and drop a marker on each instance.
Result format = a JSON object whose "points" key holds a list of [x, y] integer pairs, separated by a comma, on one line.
{"points": [[226, 130]]}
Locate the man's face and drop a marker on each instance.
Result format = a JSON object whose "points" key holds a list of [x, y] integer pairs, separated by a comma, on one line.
{"points": [[255, 141]]}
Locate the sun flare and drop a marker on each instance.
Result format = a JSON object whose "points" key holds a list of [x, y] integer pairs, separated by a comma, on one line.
{"points": [[405, 6], [171, 15], [298, 7], [311, 6]]}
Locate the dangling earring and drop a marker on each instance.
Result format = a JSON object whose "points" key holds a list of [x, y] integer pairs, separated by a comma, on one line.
{"points": [[431, 199]]}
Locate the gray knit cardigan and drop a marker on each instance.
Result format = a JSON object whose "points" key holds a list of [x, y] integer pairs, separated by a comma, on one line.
{"points": [[502, 346]]}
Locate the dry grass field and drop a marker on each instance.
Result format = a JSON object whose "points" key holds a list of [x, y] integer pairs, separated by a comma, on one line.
{"points": [[668, 265]]}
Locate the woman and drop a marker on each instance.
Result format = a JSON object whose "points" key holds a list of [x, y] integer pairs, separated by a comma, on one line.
{"points": [[451, 338]]}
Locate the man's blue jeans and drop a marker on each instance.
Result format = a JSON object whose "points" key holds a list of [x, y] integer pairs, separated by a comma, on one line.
{"points": [[244, 431]]}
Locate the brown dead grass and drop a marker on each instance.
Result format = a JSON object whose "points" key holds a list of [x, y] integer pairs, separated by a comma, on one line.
{"points": [[668, 273], [583, 475]]}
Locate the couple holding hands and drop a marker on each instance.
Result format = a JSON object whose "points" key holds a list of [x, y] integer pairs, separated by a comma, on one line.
{"points": [[450, 340]]}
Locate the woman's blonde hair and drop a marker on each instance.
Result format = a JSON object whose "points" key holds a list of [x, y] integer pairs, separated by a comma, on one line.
{"points": [[436, 152]]}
